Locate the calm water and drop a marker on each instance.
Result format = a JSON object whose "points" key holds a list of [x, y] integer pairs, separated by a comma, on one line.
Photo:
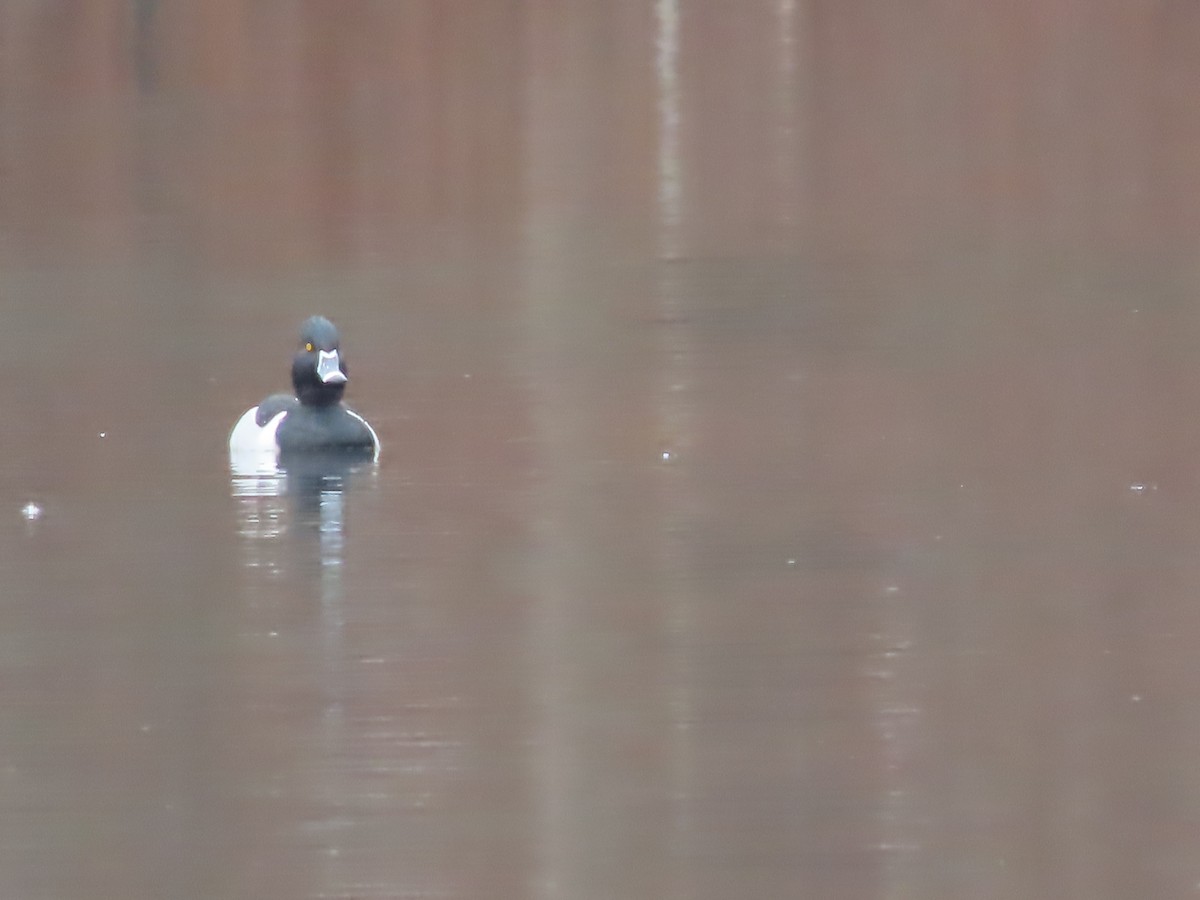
{"points": [[790, 476]]}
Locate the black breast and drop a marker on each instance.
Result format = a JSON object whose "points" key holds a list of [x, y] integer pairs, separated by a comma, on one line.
{"points": [[323, 428]]}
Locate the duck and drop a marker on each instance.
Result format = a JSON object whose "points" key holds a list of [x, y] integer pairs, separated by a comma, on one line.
{"points": [[314, 418]]}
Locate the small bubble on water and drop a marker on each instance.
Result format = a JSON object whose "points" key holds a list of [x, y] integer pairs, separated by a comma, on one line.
{"points": [[104, 434], [1142, 487], [667, 456], [31, 512]]}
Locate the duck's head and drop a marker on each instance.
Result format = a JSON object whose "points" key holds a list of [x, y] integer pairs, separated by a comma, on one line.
{"points": [[318, 373]]}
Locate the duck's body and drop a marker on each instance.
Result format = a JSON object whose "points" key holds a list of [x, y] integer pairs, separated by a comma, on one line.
{"points": [[314, 419]]}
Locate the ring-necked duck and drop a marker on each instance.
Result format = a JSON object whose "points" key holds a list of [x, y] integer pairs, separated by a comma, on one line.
{"points": [[315, 418]]}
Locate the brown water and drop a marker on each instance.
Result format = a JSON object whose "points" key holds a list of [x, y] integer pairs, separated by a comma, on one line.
{"points": [[789, 484]]}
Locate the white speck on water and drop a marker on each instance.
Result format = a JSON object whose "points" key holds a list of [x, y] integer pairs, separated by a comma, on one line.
{"points": [[145, 729], [1135, 698], [898, 846], [892, 589], [667, 456], [1140, 487], [272, 634], [31, 512], [792, 561], [104, 434]]}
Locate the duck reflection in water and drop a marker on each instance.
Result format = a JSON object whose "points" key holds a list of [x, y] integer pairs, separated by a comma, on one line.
{"points": [[302, 496], [292, 530]]}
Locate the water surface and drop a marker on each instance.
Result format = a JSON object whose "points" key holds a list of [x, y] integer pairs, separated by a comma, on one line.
{"points": [[788, 484]]}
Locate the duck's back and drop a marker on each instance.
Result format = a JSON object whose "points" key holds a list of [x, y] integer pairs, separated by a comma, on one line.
{"points": [[273, 406]]}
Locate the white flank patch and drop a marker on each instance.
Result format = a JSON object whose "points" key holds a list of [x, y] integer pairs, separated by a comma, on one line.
{"points": [[252, 448]]}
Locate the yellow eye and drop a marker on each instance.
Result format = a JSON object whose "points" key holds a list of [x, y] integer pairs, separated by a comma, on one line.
{"points": [[309, 347]]}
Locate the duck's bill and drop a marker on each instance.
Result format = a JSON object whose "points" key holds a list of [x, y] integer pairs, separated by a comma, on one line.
{"points": [[329, 367]]}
